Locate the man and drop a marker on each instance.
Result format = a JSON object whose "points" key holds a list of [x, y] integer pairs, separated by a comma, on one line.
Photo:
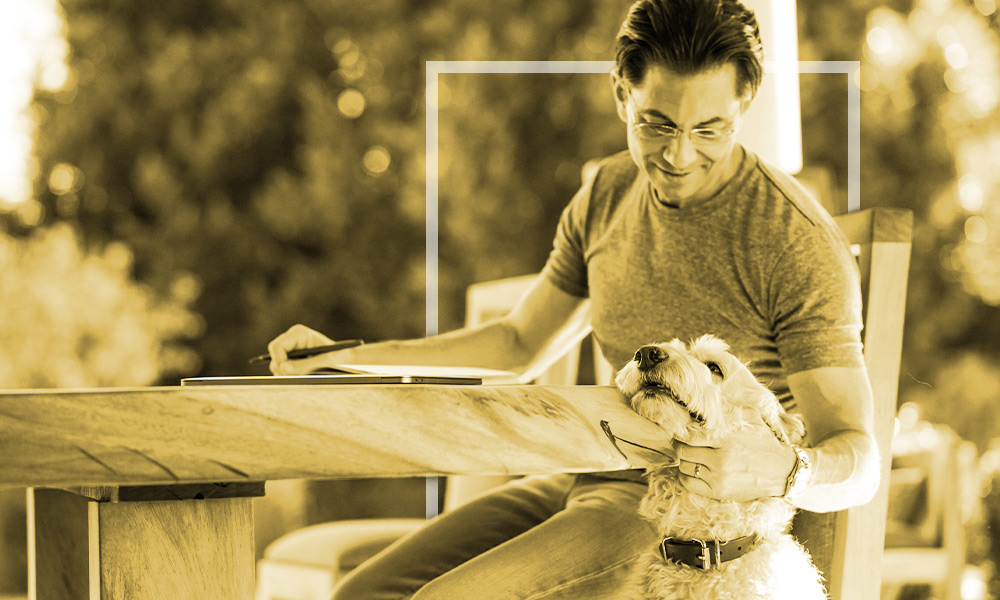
{"points": [[687, 233]]}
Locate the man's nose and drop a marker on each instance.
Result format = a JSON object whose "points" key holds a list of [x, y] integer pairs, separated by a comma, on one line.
{"points": [[680, 152], [649, 356]]}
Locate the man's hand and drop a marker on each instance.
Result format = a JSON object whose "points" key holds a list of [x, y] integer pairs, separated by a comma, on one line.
{"points": [[297, 336], [748, 465]]}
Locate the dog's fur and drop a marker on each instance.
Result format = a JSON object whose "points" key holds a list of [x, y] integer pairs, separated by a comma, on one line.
{"points": [[684, 397]]}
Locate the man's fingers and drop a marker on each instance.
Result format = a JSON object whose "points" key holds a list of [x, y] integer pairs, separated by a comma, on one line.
{"points": [[297, 336], [694, 453], [297, 366], [697, 485], [693, 469], [701, 439]]}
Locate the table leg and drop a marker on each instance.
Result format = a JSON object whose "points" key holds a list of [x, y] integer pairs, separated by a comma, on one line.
{"points": [[57, 545], [142, 550]]}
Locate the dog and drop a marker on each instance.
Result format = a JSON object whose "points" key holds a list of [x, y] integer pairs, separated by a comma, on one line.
{"points": [[739, 550]]}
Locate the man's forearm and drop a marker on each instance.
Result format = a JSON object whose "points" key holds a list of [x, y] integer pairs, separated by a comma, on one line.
{"points": [[845, 472], [493, 345], [544, 323]]}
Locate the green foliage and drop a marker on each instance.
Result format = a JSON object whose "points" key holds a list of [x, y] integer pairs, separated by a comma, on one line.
{"points": [[922, 133], [76, 319], [269, 158]]}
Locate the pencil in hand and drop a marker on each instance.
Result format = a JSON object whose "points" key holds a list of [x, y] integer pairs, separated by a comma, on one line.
{"points": [[306, 352]]}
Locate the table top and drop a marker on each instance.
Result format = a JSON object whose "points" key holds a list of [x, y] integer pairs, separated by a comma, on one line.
{"points": [[171, 435]]}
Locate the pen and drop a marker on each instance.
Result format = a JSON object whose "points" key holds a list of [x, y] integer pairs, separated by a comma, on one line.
{"points": [[304, 352]]}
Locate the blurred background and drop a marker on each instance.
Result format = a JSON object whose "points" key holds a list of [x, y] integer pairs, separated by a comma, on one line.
{"points": [[180, 182]]}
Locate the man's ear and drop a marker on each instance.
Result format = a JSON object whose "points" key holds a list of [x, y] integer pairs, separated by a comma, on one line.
{"points": [[621, 94]]}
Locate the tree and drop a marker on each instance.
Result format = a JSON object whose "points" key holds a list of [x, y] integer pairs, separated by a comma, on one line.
{"points": [[269, 159]]}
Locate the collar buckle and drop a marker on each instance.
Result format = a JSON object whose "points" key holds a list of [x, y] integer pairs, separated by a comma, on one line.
{"points": [[710, 553], [705, 557]]}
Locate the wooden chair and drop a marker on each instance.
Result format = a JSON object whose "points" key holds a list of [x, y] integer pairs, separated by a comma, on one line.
{"points": [[846, 545], [925, 537]]}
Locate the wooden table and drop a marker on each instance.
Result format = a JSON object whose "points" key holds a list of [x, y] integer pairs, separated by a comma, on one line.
{"points": [[145, 493]]}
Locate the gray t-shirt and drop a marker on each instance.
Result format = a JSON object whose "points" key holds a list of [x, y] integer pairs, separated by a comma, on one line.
{"points": [[761, 265]]}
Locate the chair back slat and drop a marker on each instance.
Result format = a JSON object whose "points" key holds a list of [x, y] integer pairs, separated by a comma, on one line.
{"points": [[847, 545]]}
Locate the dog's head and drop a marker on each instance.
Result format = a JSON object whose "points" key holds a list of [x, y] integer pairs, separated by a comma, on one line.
{"points": [[700, 389]]}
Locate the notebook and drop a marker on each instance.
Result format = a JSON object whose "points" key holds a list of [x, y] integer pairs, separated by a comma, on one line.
{"points": [[334, 379], [370, 374]]}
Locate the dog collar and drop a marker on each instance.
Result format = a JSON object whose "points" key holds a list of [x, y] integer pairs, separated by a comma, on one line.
{"points": [[705, 555]]}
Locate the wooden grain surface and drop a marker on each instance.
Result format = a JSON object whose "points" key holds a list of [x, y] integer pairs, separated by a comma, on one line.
{"points": [[171, 549], [167, 435], [59, 549]]}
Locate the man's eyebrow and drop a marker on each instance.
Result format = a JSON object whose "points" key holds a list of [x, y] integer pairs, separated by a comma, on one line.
{"points": [[652, 112]]}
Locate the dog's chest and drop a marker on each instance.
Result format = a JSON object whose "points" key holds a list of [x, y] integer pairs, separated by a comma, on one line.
{"points": [[680, 513]]}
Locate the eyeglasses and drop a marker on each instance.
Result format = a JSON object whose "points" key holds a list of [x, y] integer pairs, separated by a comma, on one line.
{"points": [[663, 133]]}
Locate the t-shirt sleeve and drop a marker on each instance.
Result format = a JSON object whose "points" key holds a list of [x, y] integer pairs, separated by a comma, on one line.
{"points": [[817, 303], [566, 267]]}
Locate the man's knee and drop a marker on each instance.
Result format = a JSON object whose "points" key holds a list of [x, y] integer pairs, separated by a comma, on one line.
{"points": [[359, 585]]}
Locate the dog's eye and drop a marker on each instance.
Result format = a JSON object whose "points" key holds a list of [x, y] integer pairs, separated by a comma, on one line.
{"points": [[714, 368]]}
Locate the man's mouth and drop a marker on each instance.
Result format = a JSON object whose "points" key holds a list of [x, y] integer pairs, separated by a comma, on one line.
{"points": [[657, 388], [673, 174]]}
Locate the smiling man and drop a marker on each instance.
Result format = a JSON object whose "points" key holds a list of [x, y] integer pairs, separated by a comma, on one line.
{"points": [[685, 234], [686, 164]]}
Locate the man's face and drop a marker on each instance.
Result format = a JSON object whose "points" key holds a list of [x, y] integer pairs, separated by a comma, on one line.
{"points": [[695, 154]]}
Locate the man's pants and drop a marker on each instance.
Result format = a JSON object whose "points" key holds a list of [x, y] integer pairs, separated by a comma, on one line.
{"points": [[549, 536]]}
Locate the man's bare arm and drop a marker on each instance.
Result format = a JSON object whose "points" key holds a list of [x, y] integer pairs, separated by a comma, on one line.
{"points": [[543, 322], [838, 409]]}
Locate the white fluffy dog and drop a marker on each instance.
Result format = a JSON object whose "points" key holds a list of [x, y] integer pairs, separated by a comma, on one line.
{"points": [[741, 550]]}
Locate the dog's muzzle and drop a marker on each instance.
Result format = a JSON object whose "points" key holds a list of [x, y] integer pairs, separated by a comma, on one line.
{"points": [[648, 357], [706, 554]]}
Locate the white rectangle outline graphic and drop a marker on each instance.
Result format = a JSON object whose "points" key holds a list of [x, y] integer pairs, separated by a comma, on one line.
{"points": [[436, 67]]}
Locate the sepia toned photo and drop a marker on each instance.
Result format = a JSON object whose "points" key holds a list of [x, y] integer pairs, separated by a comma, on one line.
{"points": [[459, 300]]}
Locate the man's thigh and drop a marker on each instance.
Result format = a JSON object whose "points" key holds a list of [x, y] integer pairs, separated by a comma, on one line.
{"points": [[586, 550], [457, 536]]}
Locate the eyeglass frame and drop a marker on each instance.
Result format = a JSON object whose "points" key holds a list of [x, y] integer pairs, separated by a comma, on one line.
{"points": [[668, 133]]}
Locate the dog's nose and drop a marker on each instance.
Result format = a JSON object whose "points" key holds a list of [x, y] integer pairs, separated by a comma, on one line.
{"points": [[649, 356]]}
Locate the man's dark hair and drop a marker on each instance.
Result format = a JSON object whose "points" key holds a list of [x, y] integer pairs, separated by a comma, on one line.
{"points": [[689, 36]]}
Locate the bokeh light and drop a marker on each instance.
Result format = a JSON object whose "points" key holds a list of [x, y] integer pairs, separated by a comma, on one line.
{"points": [[34, 55], [351, 103], [987, 7], [65, 179], [970, 193], [977, 230], [956, 55], [879, 40], [376, 160]]}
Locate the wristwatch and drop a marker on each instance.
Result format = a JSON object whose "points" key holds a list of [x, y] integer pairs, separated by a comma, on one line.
{"points": [[798, 479]]}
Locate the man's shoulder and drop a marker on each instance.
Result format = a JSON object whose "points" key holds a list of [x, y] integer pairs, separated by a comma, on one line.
{"points": [[619, 161], [781, 215], [613, 173], [799, 204]]}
